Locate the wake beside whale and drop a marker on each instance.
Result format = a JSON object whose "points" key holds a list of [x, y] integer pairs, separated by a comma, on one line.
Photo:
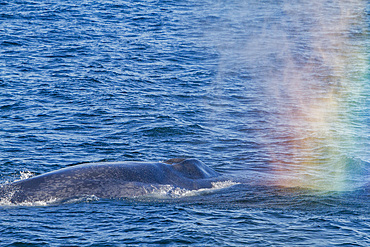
{"points": [[110, 180]]}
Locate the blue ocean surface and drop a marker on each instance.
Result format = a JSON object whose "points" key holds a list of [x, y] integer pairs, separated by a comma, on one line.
{"points": [[274, 95]]}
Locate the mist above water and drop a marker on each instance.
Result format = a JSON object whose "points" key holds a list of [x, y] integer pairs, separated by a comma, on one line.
{"points": [[308, 64]]}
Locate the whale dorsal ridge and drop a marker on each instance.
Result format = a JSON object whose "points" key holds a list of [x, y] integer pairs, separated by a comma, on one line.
{"points": [[174, 161], [191, 168]]}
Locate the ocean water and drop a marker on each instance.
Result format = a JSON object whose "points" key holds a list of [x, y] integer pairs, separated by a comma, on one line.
{"points": [[274, 94]]}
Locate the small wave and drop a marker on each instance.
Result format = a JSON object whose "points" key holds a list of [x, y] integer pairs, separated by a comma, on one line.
{"points": [[90, 198]]}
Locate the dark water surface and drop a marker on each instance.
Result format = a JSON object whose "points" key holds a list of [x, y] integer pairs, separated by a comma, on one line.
{"points": [[273, 93]]}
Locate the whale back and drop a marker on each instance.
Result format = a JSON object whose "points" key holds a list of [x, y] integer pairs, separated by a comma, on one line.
{"points": [[109, 180]]}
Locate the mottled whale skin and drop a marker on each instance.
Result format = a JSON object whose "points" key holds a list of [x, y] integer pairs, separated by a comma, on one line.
{"points": [[110, 180]]}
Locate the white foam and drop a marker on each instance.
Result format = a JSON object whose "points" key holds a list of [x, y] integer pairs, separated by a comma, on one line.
{"points": [[25, 175], [170, 191], [48, 202], [7, 202]]}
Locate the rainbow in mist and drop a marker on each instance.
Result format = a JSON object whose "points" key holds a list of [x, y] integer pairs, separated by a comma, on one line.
{"points": [[318, 99]]}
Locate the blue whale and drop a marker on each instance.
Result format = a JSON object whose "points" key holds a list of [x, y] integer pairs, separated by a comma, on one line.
{"points": [[110, 180]]}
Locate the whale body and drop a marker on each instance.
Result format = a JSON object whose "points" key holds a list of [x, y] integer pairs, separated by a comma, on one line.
{"points": [[110, 180]]}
